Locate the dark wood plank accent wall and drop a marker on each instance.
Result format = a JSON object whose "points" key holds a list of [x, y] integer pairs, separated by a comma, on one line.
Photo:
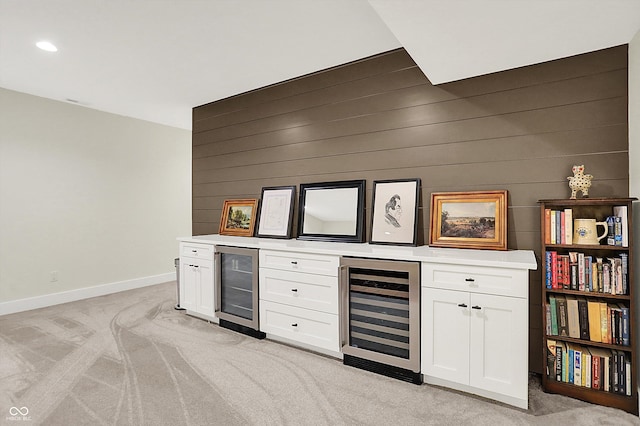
{"points": [[380, 118]]}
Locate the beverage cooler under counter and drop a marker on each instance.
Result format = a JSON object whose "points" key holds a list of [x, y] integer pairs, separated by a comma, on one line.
{"points": [[237, 288]]}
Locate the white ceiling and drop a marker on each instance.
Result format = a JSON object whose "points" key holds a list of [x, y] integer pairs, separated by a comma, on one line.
{"points": [[157, 59]]}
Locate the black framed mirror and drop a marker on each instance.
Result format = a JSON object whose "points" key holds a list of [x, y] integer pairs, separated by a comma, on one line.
{"points": [[332, 211]]}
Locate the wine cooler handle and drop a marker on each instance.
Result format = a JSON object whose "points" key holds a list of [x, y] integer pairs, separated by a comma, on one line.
{"points": [[217, 263], [343, 303]]}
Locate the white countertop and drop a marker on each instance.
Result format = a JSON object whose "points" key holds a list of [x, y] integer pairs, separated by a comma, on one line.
{"points": [[515, 259]]}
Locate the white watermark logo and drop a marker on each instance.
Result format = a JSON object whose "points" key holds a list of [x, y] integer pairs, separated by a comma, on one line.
{"points": [[18, 414]]}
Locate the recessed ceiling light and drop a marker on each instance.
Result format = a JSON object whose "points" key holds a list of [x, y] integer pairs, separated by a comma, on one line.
{"points": [[46, 45]]}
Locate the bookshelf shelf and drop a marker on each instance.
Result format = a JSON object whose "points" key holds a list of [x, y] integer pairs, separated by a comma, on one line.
{"points": [[582, 247], [588, 293], [591, 343]]}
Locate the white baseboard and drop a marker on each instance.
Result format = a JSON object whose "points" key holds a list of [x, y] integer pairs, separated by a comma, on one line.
{"points": [[20, 305]]}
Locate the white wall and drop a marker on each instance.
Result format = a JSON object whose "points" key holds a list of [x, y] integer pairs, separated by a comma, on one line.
{"points": [[634, 117], [634, 157], [99, 198]]}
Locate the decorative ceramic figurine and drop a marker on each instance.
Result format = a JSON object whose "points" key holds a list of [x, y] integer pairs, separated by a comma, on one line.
{"points": [[579, 182]]}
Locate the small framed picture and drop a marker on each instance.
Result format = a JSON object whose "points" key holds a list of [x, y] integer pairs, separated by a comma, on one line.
{"points": [[394, 217], [238, 217], [469, 220], [276, 212]]}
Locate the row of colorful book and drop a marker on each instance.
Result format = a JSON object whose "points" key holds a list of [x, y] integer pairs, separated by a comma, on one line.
{"points": [[596, 368], [592, 320], [582, 272], [559, 227]]}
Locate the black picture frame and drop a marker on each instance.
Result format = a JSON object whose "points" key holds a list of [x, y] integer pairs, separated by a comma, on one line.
{"points": [[275, 219], [332, 211], [394, 212]]}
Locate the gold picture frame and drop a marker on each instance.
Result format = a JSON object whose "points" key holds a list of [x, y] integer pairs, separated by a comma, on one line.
{"points": [[476, 219], [238, 217]]}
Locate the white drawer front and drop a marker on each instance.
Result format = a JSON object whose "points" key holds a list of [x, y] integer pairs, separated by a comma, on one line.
{"points": [[476, 279], [318, 292], [301, 262], [201, 251], [301, 325]]}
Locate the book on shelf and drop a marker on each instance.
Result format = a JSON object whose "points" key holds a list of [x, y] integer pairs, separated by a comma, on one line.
{"points": [[620, 212], [547, 226], [627, 370], [561, 348], [595, 329], [573, 270], [573, 317], [604, 323], [625, 326], [554, 314], [551, 358], [583, 318], [624, 272], [563, 319], [587, 367], [611, 230], [575, 352], [568, 223]]}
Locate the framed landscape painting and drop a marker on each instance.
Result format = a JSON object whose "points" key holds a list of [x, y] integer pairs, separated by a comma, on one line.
{"points": [[238, 217], [469, 220]]}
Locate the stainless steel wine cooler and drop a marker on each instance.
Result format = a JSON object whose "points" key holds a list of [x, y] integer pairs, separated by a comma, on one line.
{"points": [[380, 319], [237, 290]]}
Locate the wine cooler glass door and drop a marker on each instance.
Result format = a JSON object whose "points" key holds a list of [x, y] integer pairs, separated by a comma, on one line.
{"points": [[381, 315]]}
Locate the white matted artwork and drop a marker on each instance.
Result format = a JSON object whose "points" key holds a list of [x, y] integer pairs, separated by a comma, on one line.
{"points": [[276, 212], [394, 218]]}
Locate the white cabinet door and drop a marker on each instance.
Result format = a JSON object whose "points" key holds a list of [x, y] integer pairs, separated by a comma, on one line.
{"points": [[188, 283], [205, 298], [445, 334], [499, 344], [197, 286]]}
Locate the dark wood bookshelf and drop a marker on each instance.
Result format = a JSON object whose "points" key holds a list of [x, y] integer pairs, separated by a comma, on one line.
{"points": [[599, 209]]}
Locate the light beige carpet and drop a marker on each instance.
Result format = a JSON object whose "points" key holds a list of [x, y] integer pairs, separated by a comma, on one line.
{"points": [[131, 359]]}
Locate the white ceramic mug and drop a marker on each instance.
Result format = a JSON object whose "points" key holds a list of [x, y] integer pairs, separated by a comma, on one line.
{"points": [[585, 231]]}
